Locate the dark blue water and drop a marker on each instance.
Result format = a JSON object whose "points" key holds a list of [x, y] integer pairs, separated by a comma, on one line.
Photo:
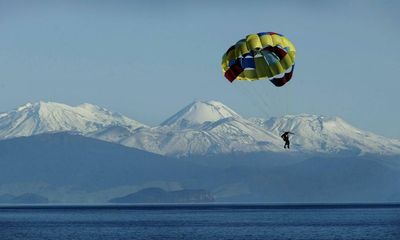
{"points": [[202, 222]]}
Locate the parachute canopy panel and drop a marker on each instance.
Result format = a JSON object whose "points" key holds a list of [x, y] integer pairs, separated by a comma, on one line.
{"points": [[265, 55]]}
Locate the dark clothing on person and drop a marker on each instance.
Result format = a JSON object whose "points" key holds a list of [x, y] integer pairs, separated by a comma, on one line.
{"points": [[285, 137]]}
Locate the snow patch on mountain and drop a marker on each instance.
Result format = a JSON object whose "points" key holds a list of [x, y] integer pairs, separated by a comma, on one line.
{"points": [[41, 117], [203, 128], [198, 113], [329, 135], [200, 128]]}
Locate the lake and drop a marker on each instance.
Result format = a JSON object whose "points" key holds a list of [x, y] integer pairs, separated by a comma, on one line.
{"points": [[216, 221]]}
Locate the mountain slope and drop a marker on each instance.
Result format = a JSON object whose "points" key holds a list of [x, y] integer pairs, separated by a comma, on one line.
{"points": [[44, 117], [319, 179], [320, 134], [67, 168], [204, 128], [73, 168], [201, 128], [198, 113]]}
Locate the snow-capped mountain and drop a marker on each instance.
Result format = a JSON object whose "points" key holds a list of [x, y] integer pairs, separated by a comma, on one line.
{"points": [[200, 128], [224, 136], [41, 117], [329, 135], [198, 113], [211, 127]]}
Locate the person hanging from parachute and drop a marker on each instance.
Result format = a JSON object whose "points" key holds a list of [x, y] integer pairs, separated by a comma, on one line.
{"points": [[265, 55], [285, 137]]}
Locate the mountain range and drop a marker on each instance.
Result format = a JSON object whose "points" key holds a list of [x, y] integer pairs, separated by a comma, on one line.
{"points": [[200, 128], [44, 117], [87, 154], [71, 168]]}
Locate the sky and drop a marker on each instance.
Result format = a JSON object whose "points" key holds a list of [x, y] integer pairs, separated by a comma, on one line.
{"points": [[148, 59]]}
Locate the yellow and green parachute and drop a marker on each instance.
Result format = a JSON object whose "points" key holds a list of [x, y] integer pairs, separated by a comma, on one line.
{"points": [[265, 55]]}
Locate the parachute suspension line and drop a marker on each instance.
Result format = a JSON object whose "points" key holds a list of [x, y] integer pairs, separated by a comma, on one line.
{"points": [[258, 92], [262, 91], [267, 89], [244, 94], [278, 99], [250, 94], [268, 92], [288, 100], [259, 56], [260, 103], [284, 101]]}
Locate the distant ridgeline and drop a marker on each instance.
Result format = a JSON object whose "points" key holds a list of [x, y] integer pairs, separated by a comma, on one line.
{"points": [[158, 195], [87, 154], [27, 198], [200, 128]]}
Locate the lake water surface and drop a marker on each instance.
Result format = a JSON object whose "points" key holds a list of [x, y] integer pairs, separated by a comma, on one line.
{"points": [[222, 221]]}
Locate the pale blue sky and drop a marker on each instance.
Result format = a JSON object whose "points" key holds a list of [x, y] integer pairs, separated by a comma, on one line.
{"points": [[148, 60]]}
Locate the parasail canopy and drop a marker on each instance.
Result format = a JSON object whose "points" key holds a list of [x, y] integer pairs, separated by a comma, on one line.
{"points": [[265, 55]]}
